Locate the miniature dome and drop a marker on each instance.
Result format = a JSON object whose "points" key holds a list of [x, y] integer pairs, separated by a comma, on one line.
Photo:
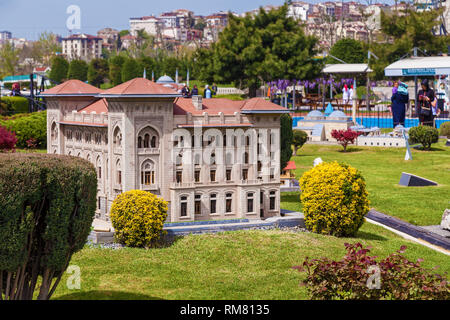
{"points": [[165, 79], [314, 114], [338, 114]]}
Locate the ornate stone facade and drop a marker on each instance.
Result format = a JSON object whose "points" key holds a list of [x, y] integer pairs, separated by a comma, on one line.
{"points": [[209, 158]]}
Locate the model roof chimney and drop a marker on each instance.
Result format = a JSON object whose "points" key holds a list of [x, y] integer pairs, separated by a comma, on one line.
{"points": [[197, 101]]}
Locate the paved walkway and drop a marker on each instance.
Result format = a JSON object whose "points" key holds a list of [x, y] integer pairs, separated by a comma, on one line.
{"points": [[416, 232]]}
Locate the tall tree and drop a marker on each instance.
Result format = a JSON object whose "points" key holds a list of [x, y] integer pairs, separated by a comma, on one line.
{"points": [[9, 59], [349, 50], [48, 46], [260, 48], [98, 71], [59, 69], [286, 136], [77, 70], [115, 69], [131, 70]]}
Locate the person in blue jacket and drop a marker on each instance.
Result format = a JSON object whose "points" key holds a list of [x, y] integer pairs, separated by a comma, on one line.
{"points": [[400, 98]]}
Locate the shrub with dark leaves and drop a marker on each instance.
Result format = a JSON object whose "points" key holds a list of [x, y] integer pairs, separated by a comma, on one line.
{"points": [[345, 137], [359, 276], [8, 140]]}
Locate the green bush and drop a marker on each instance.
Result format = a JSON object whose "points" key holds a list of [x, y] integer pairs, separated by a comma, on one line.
{"points": [[14, 105], [33, 125], [445, 129], [424, 135], [334, 199], [138, 218], [299, 138], [47, 207]]}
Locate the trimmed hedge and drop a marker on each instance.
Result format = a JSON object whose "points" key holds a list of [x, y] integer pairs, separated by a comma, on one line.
{"points": [[334, 198], [47, 207], [30, 126], [425, 135], [138, 218], [13, 105]]}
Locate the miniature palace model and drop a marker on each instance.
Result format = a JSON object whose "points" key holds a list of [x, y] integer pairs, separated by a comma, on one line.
{"points": [[209, 158]]}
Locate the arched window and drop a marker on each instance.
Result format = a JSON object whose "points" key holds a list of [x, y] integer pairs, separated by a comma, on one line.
{"points": [[118, 172], [246, 158], [54, 131], [99, 168], [148, 138], [117, 137], [148, 173]]}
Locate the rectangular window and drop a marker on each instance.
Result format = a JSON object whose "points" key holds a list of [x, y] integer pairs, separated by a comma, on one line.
{"points": [[213, 202], [228, 202], [183, 207], [99, 203], [198, 204], [244, 174], [228, 173], [197, 175], [212, 175], [272, 173], [273, 197], [148, 178], [179, 176], [249, 205], [99, 172], [119, 177]]}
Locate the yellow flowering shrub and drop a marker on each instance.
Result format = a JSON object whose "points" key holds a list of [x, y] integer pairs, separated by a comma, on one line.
{"points": [[334, 198], [138, 218]]}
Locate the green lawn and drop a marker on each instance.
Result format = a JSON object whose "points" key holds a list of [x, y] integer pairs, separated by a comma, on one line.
{"points": [[382, 168], [229, 266]]}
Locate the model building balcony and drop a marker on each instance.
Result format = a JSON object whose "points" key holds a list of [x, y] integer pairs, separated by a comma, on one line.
{"points": [[148, 151]]}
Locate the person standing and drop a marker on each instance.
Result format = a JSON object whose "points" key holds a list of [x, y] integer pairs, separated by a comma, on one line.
{"points": [[345, 93], [399, 99], [185, 91], [214, 89], [194, 90], [425, 98], [207, 94], [350, 95]]}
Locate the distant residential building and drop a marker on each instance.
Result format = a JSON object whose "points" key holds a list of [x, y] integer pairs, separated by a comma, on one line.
{"points": [[5, 35], [108, 35], [82, 46], [127, 41], [298, 10], [150, 24]]}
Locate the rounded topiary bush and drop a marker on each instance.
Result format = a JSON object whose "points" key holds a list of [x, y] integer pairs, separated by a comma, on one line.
{"points": [[445, 129], [425, 135], [138, 218], [334, 198]]}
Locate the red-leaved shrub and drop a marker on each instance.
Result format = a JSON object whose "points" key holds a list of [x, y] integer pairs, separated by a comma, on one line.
{"points": [[345, 137], [360, 276], [8, 140]]}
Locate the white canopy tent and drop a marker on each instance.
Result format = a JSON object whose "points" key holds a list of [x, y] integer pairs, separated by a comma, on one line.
{"points": [[351, 68], [419, 66]]}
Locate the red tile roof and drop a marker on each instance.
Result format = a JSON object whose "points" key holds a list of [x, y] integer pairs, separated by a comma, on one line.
{"points": [[290, 166], [72, 87], [98, 107], [139, 86], [215, 105]]}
